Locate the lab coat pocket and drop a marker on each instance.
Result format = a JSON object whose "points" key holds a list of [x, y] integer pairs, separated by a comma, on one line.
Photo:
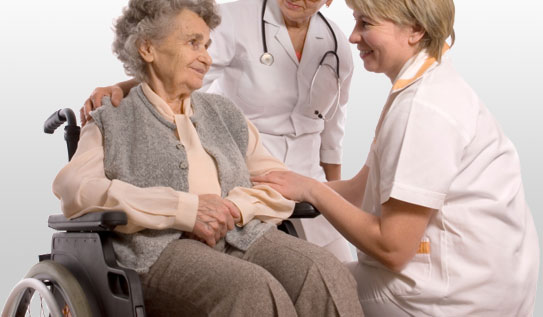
{"points": [[415, 275], [324, 94]]}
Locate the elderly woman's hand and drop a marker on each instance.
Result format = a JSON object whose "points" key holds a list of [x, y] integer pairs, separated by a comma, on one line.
{"points": [[289, 184], [215, 217]]}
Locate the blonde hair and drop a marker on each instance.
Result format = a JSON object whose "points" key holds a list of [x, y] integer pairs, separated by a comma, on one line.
{"points": [[435, 17]]}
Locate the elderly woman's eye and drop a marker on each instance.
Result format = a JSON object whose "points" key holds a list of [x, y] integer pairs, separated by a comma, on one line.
{"points": [[194, 43]]}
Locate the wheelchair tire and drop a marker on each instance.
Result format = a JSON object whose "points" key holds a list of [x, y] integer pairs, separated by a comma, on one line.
{"points": [[68, 294]]}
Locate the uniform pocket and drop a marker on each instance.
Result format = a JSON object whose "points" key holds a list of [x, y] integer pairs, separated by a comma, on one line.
{"points": [[410, 280]]}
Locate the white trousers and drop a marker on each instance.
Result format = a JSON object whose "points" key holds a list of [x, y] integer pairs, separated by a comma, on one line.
{"points": [[375, 301]]}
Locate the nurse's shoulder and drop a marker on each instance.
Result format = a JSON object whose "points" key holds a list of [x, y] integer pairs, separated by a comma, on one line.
{"points": [[446, 92]]}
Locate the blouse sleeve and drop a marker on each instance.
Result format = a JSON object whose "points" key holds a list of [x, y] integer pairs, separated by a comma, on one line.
{"points": [[82, 187], [261, 201]]}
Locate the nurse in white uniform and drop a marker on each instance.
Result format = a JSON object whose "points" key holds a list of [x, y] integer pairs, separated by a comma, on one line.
{"points": [[438, 210], [301, 124], [289, 70]]}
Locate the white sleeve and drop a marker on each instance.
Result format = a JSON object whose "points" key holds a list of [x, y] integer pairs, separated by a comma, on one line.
{"points": [[222, 49], [419, 150], [334, 129]]}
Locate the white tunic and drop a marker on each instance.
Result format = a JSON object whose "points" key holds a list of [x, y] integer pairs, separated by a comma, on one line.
{"points": [[276, 98], [437, 146]]}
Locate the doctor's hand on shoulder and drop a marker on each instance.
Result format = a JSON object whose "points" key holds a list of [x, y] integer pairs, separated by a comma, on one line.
{"points": [[115, 92]]}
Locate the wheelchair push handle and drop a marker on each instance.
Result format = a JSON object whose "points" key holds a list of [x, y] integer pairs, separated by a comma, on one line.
{"points": [[71, 131], [58, 118]]}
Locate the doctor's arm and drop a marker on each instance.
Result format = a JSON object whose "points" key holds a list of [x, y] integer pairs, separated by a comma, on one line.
{"points": [[222, 49], [332, 171], [352, 189], [116, 92], [334, 131]]}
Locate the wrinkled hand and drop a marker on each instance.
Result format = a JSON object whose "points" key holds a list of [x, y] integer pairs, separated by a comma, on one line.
{"points": [[95, 100], [215, 217], [289, 184]]}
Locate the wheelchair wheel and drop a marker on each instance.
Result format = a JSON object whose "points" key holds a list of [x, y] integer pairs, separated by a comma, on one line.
{"points": [[56, 285]]}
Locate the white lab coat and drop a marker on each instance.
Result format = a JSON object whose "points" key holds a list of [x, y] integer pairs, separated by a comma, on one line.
{"points": [[439, 147], [275, 98]]}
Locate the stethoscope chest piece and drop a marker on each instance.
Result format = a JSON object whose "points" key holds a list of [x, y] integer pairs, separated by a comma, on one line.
{"points": [[266, 59]]}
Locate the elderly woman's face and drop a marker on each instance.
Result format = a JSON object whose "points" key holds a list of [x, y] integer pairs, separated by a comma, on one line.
{"points": [[180, 60], [300, 11]]}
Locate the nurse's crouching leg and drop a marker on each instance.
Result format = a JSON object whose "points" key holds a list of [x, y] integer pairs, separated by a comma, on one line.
{"points": [[372, 294], [317, 283], [192, 279]]}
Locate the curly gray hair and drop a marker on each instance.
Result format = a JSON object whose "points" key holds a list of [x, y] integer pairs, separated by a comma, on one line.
{"points": [[151, 20]]}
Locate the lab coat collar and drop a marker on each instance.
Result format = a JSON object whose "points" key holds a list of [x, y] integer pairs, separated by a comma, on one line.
{"points": [[274, 17], [414, 68], [318, 40]]}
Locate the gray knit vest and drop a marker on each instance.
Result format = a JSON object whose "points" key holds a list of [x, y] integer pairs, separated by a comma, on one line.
{"points": [[140, 148]]}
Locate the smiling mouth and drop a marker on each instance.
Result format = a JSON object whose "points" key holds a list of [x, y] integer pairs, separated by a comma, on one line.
{"points": [[292, 5], [365, 53], [201, 71]]}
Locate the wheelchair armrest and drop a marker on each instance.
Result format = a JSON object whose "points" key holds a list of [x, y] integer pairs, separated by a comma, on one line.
{"points": [[93, 221], [304, 210]]}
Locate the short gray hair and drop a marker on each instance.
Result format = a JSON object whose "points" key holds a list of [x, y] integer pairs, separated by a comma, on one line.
{"points": [[151, 20]]}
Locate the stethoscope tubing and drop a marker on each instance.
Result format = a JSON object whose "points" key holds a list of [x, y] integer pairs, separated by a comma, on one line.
{"points": [[268, 57]]}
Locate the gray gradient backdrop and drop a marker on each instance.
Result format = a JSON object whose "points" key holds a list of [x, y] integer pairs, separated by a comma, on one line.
{"points": [[53, 53]]}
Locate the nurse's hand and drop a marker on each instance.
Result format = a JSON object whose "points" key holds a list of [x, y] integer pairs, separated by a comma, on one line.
{"points": [[289, 184], [115, 92]]}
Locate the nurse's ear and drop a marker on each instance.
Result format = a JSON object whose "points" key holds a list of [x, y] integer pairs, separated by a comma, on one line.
{"points": [[416, 34], [146, 50]]}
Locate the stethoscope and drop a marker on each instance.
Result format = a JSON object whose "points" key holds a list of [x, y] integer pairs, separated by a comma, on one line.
{"points": [[267, 58]]}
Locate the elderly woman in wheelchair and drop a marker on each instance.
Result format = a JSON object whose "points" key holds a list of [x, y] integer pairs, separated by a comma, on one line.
{"points": [[201, 237]]}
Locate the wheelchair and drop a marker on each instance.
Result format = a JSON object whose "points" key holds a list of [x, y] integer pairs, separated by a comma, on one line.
{"points": [[81, 277]]}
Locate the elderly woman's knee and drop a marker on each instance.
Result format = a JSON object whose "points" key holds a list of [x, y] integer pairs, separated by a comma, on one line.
{"points": [[293, 261]]}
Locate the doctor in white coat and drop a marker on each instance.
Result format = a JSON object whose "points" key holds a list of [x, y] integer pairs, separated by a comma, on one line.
{"points": [[305, 134], [289, 69]]}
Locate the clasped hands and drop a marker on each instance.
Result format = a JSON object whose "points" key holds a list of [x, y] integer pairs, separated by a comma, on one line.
{"points": [[215, 217]]}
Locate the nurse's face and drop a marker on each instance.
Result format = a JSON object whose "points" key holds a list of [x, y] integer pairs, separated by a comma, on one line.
{"points": [[299, 12], [384, 46]]}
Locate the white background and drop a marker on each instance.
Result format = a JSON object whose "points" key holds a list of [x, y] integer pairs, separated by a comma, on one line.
{"points": [[53, 53]]}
